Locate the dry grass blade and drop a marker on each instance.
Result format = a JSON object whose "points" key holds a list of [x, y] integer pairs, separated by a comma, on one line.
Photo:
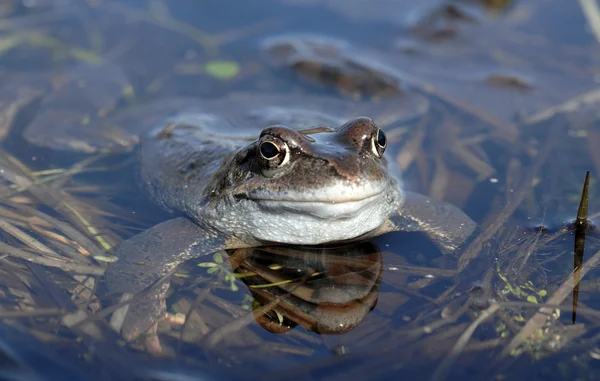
{"points": [[222, 332], [24, 237], [444, 368], [43, 259], [39, 39], [66, 229], [439, 184], [422, 271], [592, 14], [245, 31], [218, 335], [89, 228], [164, 20], [588, 98], [482, 168], [35, 20], [125, 301], [24, 178], [63, 176], [411, 149], [38, 312], [58, 295], [503, 130], [62, 241], [473, 250], [21, 219]]}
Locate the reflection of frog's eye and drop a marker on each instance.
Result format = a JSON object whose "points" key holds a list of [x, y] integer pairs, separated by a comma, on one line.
{"points": [[378, 143], [276, 154]]}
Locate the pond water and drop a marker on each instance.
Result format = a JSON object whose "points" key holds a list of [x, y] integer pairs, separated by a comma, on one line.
{"points": [[491, 106]]}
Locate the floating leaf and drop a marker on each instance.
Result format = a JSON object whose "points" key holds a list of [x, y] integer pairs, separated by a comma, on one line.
{"points": [[218, 258], [207, 264], [212, 270], [532, 299], [128, 93], [222, 69]]}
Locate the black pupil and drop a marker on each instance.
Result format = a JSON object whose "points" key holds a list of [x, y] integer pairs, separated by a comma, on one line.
{"points": [[269, 150], [381, 140]]}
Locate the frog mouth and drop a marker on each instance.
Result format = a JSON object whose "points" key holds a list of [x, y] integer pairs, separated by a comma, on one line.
{"points": [[340, 208]]}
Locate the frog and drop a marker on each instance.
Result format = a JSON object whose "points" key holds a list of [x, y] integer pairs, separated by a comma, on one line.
{"points": [[249, 171]]}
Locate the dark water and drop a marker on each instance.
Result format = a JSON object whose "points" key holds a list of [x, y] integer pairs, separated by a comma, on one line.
{"points": [[509, 131]]}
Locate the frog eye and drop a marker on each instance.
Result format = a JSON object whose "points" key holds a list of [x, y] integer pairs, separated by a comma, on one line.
{"points": [[275, 152], [378, 143], [269, 150]]}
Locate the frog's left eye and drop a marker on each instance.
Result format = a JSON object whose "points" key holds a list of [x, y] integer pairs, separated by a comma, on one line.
{"points": [[274, 151], [378, 143], [269, 150]]}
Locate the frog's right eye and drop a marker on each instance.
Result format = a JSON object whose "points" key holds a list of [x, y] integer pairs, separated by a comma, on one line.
{"points": [[378, 143], [275, 152]]}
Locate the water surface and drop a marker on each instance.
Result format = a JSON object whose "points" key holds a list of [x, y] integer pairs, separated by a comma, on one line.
{"points": [[509, 130]]}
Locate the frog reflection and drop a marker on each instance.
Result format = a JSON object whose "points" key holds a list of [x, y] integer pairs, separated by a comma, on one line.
{"points": [[327, 290]]}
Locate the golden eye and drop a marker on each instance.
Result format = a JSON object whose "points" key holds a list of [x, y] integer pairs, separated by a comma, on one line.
{"points": [[269, 150], [378, 143], [276, 152]]}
